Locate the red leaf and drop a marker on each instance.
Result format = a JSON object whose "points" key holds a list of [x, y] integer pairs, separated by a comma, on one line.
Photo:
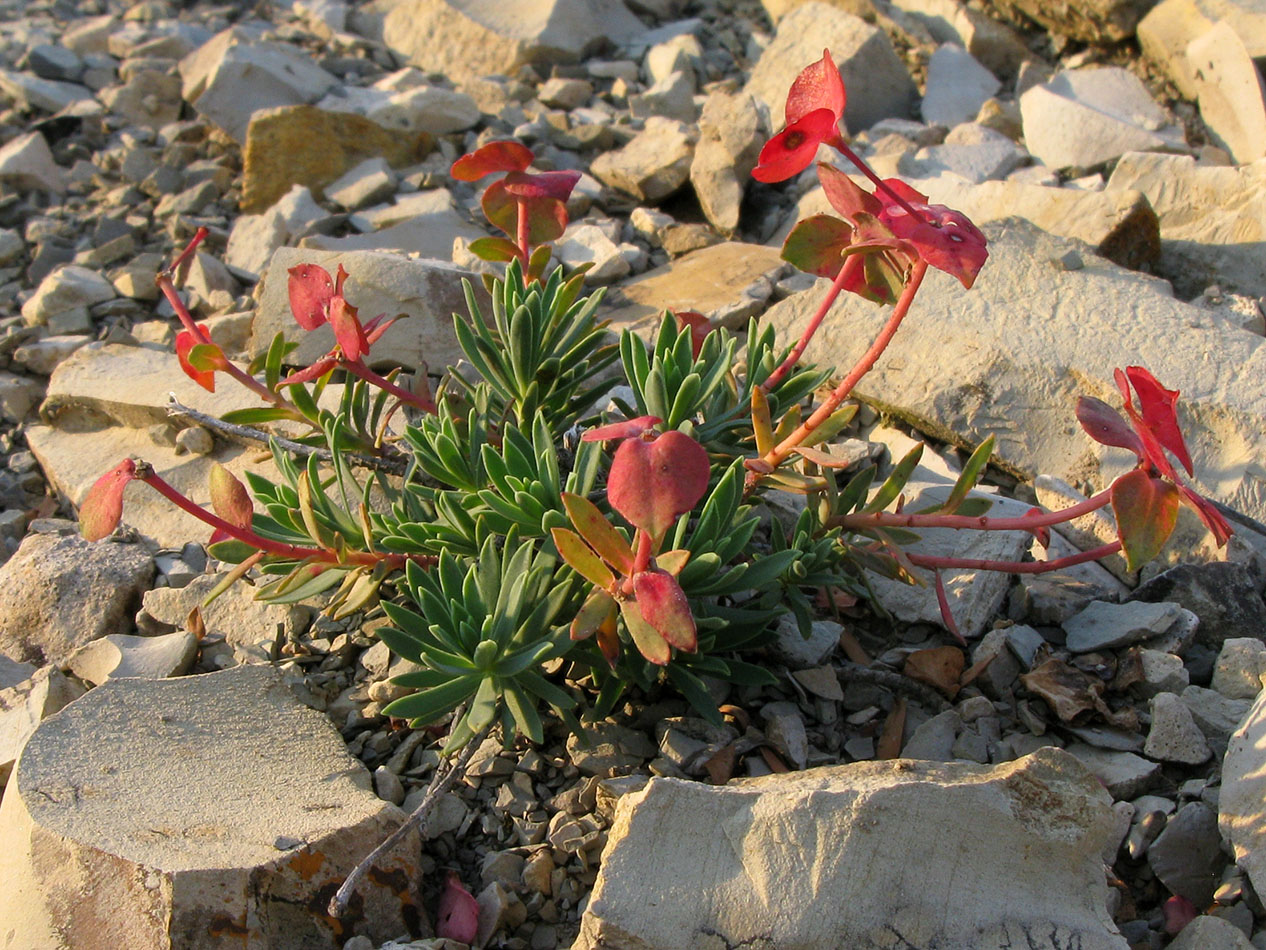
{"points": [[1146, 509], [493, 157], [793, 149], [1157, 404], [1179, 912], [347, 330], [1210, 515], [845, 195], [593, 613], [1043, 534], [700, 327], [947, 618], [621, 430], [1105, 425], [547, 217], [649, 641], [818, 86], [229, 498], [557, 185], [458, 915], [315, 371], [817, 244], [311, 290], [186, 342], [664, 607], [652, 483], [945, 238], [103, 505]]}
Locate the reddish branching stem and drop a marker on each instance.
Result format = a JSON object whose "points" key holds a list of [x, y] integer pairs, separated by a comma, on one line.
{"points": [[358, 368], [1013, 567], [840, 146], [847, 270], [887, 519]]}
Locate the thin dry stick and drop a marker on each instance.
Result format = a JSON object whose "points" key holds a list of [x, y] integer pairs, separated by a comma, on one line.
{"points": [[440, 783], [251, 436]]}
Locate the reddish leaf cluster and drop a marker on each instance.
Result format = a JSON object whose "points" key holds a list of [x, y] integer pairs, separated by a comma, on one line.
{"points": [[815, 105], [317, 299]]}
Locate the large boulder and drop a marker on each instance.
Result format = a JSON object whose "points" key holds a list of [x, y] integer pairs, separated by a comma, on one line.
{"points": [[1011, 356], [1089, 21], [153, 814], [865, 856], [1243, 789], [1165, 32]]}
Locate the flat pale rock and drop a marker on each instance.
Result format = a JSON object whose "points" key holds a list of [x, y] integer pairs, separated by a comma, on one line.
{"points": [[59, 591], [235, 615], [1231, 92], [1003, 855], [468, 39], [1011, 357], [1243, 790], [279, 152], [24, 705], [118, 655], [26, 162], [1165, 32], [195, 785], [1104, 626], [1212, 219], [419, 225], [879, 87], [1211, 933], [957, 87], [426, 292], [653, 164]]}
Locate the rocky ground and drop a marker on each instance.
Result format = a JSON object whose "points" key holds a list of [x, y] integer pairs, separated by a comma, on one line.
{"points": [[1114, 153]]}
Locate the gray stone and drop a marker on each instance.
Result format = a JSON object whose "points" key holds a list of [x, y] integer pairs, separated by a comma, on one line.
{"points": [[24, 705], [1226, 597], [149, 98], [1215, 714], [370, 181], [729, 141], [877, 82], [44, 356], [1239, 668], [609, 746], [1243, 788], [47, 95], [994, 44], [653, 165], [1231, 92], [1212, 218], [1174, 735], [66, 289], [201, 824], [405, 101], [1210, 933], [422, 224], [17, 395], [12, 672], [934, 739], [1124, 774], [59, 591], [799, 653], [467, 39], [1162, 673], [1187, 856], [55, 62], [779, 860], [427, 292], [118, 655], [672, 97], [235, 615], [1103, 626], [1098, 22], [234, 75], [255, 237], [26, 163], [1084, 117], [561, 93], [972, 152], [784, 728], [957, 86], [589, 244]]}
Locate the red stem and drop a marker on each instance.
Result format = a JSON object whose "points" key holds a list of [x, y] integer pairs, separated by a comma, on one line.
{"points": [[885, 519], [413, 399], [1014, 567], [850, 266], [838, 144], [641, 559], [779, 453], [522, 229]]}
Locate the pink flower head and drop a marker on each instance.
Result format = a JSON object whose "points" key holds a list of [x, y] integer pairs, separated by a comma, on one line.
{"points": [[316, 298], [815, 104]]}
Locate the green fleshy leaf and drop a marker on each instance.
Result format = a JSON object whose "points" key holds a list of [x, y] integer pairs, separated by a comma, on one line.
{"points": [[816, 245]]}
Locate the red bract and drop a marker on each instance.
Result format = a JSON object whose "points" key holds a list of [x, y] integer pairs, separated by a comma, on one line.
{"points": [[815, 104], [628, 429], [103, 505], [700, 327], [315, 299], [492, 158], [458, 916], [199, 360], [653, 483], [541, 196]]}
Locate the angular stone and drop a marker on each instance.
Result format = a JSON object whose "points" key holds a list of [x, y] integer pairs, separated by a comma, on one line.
{"points": [[877, 82], [1174, 735], [235, 615], [993, 346], [59, 591], [1226, 597], [1187, 856], [1243, 789], [48, 95], [798, 652], [369, 182], [1231, 92], [971, 151], [654, 164], [1099, 22], [24, 705], [1165, 32], [1239, 668], [118, 655], [255, 237], [279, 150], [1215, 714], [1212, 219], [1084, 117], [1124, 774], [234, 75], [149, 98], [424, 224], [66, 289], [729, 141], [957, 87], [716, 281], [1103, 626], [998, 47], [26, 163], [405, 101], [427, 292], [467, 39], [781, 861], [1211, 933], [202, 824]]}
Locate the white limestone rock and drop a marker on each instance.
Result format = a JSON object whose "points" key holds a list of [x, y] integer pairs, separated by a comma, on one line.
{"points": [[957, 87]]}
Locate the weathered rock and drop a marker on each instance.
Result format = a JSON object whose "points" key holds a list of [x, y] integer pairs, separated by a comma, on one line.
{"points": [[44, 356], [1103, 626], [255, 237], [364, 184], [799, 652], [235, 615], [970, 151], [725, 282], [653, 165], [1243, 788], [1231, 92], [405, 101], [27, 163], [427, 292], [729, 141], [1212, 219], [203, 824], [48, 95], [672, 97], [996, 46], [67, 289], [1211, 933], [1084, 117], [878, 85], [1187, 856], [58, 592], [1174, 735], [234, 75], [589, 244], [1124, 774], [424, 224], [149, 98], [467, 39], [1226, 597], [1239, 668], [957, 87], [1090, 21], [1215, 714], [1170, 25], [279, 150], [118, 655], [781, 860], [1119, 224], [24, 705], [996, 344]]}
